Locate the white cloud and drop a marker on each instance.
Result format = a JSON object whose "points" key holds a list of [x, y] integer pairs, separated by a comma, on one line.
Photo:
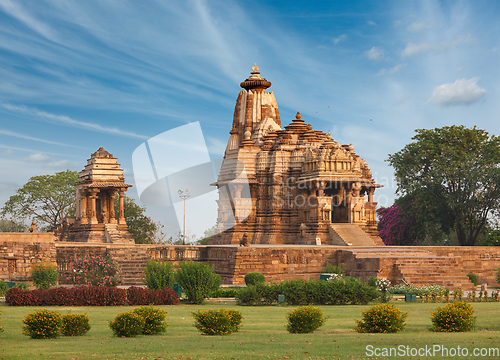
{"points": [[8, 152], [38, 157], [461, 92], [339, 39], [393, 70], [420, 26], [373, 23], [66, 120], [414, 49], [22, 136], [424, 47], [64, 164], [375, 53], [18, 11]]}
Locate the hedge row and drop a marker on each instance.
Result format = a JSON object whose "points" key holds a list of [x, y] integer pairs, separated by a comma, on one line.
{"points": [[90, 296], [299, 292]]}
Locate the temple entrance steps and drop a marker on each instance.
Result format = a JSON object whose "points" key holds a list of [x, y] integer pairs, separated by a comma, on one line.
{"points": [[111, 232], [132, 264], [114, 234], [418, 267], [352, 235]]}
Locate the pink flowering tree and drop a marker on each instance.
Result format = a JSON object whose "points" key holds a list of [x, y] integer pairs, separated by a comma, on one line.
{"points": [[97, 270], [396, 225]]}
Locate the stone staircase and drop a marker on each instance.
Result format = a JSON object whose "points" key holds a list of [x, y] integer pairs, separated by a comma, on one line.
{"points": [[132, 265], [114, 235], [417, 267], [352, 235]]}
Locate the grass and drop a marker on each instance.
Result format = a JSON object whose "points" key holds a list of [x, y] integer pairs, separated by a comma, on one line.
{"points": [[262, 336]]}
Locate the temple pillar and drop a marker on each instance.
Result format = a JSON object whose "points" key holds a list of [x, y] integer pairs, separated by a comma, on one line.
{"points": [[83, 209], [371, 192], [121, 216], [93, 198], [112, 215]]}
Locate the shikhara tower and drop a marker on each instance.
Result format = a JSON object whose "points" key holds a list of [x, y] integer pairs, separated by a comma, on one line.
{"points": [[290, 186]]}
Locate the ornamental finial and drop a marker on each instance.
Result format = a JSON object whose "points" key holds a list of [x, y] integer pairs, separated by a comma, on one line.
{"points": [[255, 68]]}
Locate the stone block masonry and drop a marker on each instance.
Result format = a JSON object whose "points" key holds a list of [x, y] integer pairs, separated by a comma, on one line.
{"points": [[441, 265], [18, 251]]}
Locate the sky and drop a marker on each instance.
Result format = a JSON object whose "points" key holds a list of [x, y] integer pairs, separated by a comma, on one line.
{"points": [[78, 75]]}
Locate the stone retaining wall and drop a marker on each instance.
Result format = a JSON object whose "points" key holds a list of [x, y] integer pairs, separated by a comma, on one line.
{"points": [[277, 263], [18, 251]]}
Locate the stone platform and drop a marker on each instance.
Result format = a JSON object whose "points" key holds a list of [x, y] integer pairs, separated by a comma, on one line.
{"points": [[447, 266]]}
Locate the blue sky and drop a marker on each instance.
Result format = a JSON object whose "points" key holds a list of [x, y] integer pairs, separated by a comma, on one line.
{"points": [[77, 75]]}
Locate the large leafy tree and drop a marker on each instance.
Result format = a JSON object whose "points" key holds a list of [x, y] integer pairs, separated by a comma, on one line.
{"points": [[7, 225], [142, 227], [47, 199], [453, 176]]}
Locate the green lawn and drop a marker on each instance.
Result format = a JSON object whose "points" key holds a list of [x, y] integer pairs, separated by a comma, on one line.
{"points": [[262, 336]]}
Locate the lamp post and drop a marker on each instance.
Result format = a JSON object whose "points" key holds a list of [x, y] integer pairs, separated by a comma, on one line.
{"points": [[184, 195]]}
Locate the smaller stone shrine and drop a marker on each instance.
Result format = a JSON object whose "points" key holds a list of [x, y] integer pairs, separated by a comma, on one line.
{"points": [[95, 219]]}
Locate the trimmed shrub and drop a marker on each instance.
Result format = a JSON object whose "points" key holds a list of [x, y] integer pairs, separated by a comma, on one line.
{"points": [[305, 319], [75, 324], [198, 280], [142, 296], [3, 288], [217, 322], [99, 296], [96, 270], [159, 275], [249, 296], [473, 278], [42, 324], [298, 292], [127, 324], [454, 317], [253, 278], [18, 297], [44, 275], [154, 319], [225, 293], [382, 318], [79, 296]]}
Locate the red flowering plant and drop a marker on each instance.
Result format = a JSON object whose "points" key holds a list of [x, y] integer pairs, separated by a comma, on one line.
{"points": [[97, 270], [396, 225]]}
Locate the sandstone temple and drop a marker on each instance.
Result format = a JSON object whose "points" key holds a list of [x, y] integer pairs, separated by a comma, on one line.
{"points": [[293, 195], [95, 220], [291, 185]]}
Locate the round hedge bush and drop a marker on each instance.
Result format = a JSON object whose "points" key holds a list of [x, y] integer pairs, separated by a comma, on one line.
{"points": [[305, 319], [75, 324], [454, 317], [42, 324], [254, 278], [154, 319], [382, 318], [217, 321], [127, 324]]}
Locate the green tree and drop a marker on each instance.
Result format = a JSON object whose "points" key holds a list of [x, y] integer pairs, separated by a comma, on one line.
{"points": [[453, 176], [142, 227], [47, 199], [207, 234], [12, 226]]}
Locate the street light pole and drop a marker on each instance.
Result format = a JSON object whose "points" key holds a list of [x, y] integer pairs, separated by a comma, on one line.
{"points": [[184, 195]]}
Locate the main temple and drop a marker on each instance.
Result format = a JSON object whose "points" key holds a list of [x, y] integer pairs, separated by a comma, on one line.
{"points": [[291, 185]]}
